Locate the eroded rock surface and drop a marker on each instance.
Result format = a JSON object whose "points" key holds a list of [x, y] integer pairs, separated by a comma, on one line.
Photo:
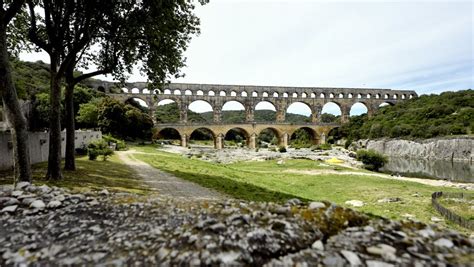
{"points": [[121, 229]]}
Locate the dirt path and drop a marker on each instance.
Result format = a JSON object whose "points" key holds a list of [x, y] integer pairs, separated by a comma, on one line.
{"points": [[431, 182], [165, 183]]}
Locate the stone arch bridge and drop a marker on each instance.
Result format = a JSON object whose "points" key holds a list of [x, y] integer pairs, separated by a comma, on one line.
{"points": [[183, 94]]}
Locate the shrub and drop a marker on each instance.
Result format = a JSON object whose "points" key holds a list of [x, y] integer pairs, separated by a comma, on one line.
{"points": [[372, 160], [120, 144], [99, 148], [322, 147], [282, 149], [348, 143]]}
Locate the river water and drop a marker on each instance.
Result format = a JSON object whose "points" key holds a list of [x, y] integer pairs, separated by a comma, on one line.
{"points": [[436, 169]]}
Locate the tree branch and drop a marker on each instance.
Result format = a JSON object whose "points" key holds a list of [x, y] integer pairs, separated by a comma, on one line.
{"points": [[12, 10], [33, 31]]}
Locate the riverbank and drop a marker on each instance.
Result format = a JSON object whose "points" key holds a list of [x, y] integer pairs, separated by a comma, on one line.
{"points": [[451, 149]]}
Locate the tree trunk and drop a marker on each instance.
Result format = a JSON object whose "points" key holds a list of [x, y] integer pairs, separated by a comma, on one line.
{"points": [[70, 163], [15, 116], [55, 138]]}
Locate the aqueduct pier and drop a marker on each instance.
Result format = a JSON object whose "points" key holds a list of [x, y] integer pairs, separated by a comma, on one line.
{"points": [[183, 94]]}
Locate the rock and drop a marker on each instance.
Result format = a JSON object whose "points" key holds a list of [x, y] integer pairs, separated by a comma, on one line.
{"points": [[104, 192], [28, 201], [22, 185], [318, 245], [378, 264], [354, 203], [54, 204], [8, 201], [351, 257], [44, 189], [316, 205], [218, 227], [95, 228], [37, 204], [381, 249], [17, 193], [436, 219], [10, 208], [389, 200], [93, 202], [294, 201], [408, 216], [444, 243]]}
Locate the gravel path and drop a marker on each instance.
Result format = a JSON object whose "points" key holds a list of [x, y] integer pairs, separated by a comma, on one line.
{"points": [[165, 183]]}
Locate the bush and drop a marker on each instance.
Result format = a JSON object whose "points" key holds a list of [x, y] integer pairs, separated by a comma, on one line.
{"points": [[99, 148], [119, 144], [81, 151], [322, 147], [282, 149], [372, 160]]}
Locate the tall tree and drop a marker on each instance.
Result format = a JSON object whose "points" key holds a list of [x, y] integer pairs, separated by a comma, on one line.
{"points": [[8, 12], [152, 32]]}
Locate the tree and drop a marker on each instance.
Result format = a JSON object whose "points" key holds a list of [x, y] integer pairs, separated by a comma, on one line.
{"points": [[9, 15]]}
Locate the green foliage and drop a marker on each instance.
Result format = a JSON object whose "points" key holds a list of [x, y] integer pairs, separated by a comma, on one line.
{"points": [[99, 148], [30, 78], [120, 144], [301, 138], [88, 113], [372, 160], [325, 146], [450, 113], [328, 118]]}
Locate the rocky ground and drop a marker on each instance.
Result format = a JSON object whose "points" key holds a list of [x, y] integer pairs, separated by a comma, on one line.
{"points": [[52, 226], [230, 155]]}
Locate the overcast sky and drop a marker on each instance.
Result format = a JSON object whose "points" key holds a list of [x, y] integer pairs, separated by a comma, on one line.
{"points": [[426, 46]]}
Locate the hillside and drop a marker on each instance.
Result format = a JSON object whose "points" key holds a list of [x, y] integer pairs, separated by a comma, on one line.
{"points": [[450, 113]]}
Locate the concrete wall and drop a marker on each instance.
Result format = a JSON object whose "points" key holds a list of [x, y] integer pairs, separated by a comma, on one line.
{"points": [[39, 146]]}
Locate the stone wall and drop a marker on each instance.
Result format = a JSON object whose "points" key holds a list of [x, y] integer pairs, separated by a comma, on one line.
{"points": [[39, 146], [457, 149]]}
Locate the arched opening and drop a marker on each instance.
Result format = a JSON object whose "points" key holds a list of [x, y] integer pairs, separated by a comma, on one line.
{"points": [[298, 112], [322, 95], [254, 94], [188, 92], [411, 96], [167, 92], [334, 135], [177, 92], [275, 94], [101, 89], [377, 96], [294, 95], [313, 95], [236, 137], [200, 111], [349, 95], [145, 91], [385, 104], [202, 137], [340, 95], [167, 111], [138, 103], [156, 91], [303, 138], [268, 138], [359, 96], [233, 93], [264, 112], [330, 113], [222, 93], [199, 92], [386, 96], [124, 90], [285, 94], [244, 94], [233, 112], [331, 95], [303, 95], [211, 93], [264, 94], [358, 109], [369, 96], [395, 96], [168, 136], [135, 91], [404, 96]]}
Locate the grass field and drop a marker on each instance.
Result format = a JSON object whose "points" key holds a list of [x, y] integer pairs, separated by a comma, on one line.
{"points": [[269, 181], [111, 174]]}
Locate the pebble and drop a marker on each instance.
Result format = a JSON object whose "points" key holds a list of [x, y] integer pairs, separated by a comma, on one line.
{"points": [[17, 193], [10, 208], [436, 219], [443, 242], [316, 205], [318, 245], [54, 204], [351, 257], [37, 204]]}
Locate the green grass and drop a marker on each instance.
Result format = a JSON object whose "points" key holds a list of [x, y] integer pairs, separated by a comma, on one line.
{"points": [[266, 181], [112, 175], [458, 206]]}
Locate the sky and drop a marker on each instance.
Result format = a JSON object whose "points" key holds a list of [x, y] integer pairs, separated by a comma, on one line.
{"points": [[426, 46]]}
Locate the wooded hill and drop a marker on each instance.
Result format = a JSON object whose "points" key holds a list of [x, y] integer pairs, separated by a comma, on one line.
{"points": [[449, 113]]}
